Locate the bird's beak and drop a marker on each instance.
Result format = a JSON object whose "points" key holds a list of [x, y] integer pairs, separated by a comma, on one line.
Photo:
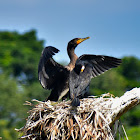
{"points": [[82, 39]]}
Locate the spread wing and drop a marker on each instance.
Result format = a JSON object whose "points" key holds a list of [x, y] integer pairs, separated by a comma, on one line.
{"points": [[100, 63], [49, 71]]}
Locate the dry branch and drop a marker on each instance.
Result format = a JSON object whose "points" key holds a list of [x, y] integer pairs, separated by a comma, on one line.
{"points": [[91, 120]]}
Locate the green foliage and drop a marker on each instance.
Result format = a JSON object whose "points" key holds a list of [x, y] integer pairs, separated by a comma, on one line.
{"points": [[10, 92], [35, 91], [6, 132], [130, 69], [20, 54], [134, 133], [19, 57], [111, 82], [132, 117], [12, 110]]}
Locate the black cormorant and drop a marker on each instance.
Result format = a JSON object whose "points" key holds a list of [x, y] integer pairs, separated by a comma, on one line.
{"points": [[54, 76], [86, 68]]}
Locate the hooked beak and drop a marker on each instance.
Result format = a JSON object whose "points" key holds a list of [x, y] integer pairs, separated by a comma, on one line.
{"points": [[82, 39]]}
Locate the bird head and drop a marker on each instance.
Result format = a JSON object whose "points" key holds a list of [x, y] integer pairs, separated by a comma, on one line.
{"points": [[74, 42]]}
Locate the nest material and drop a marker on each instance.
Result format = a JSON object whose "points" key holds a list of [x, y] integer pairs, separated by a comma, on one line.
{"points": [[60, 121]]}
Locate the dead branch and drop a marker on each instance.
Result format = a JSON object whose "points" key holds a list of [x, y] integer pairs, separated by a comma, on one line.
{"points": [[123, 104]]}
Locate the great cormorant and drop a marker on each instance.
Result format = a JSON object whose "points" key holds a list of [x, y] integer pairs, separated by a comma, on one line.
{"points": [[54, 76], [86, 68]]}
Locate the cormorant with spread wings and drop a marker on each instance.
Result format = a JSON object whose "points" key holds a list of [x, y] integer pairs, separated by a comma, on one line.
{"points": [[76, 76]]}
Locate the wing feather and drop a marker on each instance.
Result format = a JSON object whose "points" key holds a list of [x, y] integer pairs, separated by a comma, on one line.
{"points": [[100, 63], [49, 70]]}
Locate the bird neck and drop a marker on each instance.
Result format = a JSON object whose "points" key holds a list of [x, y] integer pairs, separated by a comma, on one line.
{"points": [[73, 57]]}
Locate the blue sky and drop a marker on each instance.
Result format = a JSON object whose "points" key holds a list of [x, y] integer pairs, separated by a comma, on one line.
{"points": [[113, 25]]}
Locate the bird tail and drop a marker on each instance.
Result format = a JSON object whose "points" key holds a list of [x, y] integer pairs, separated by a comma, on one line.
{"points": [[75, 102]]}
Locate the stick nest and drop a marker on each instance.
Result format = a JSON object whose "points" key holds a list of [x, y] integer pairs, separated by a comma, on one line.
{"points": [[60, 121]]}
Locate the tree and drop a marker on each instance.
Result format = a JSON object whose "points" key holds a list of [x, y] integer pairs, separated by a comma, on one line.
{"points": [[110, 81], [130, 69], [20, 54], [12, 110]]}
